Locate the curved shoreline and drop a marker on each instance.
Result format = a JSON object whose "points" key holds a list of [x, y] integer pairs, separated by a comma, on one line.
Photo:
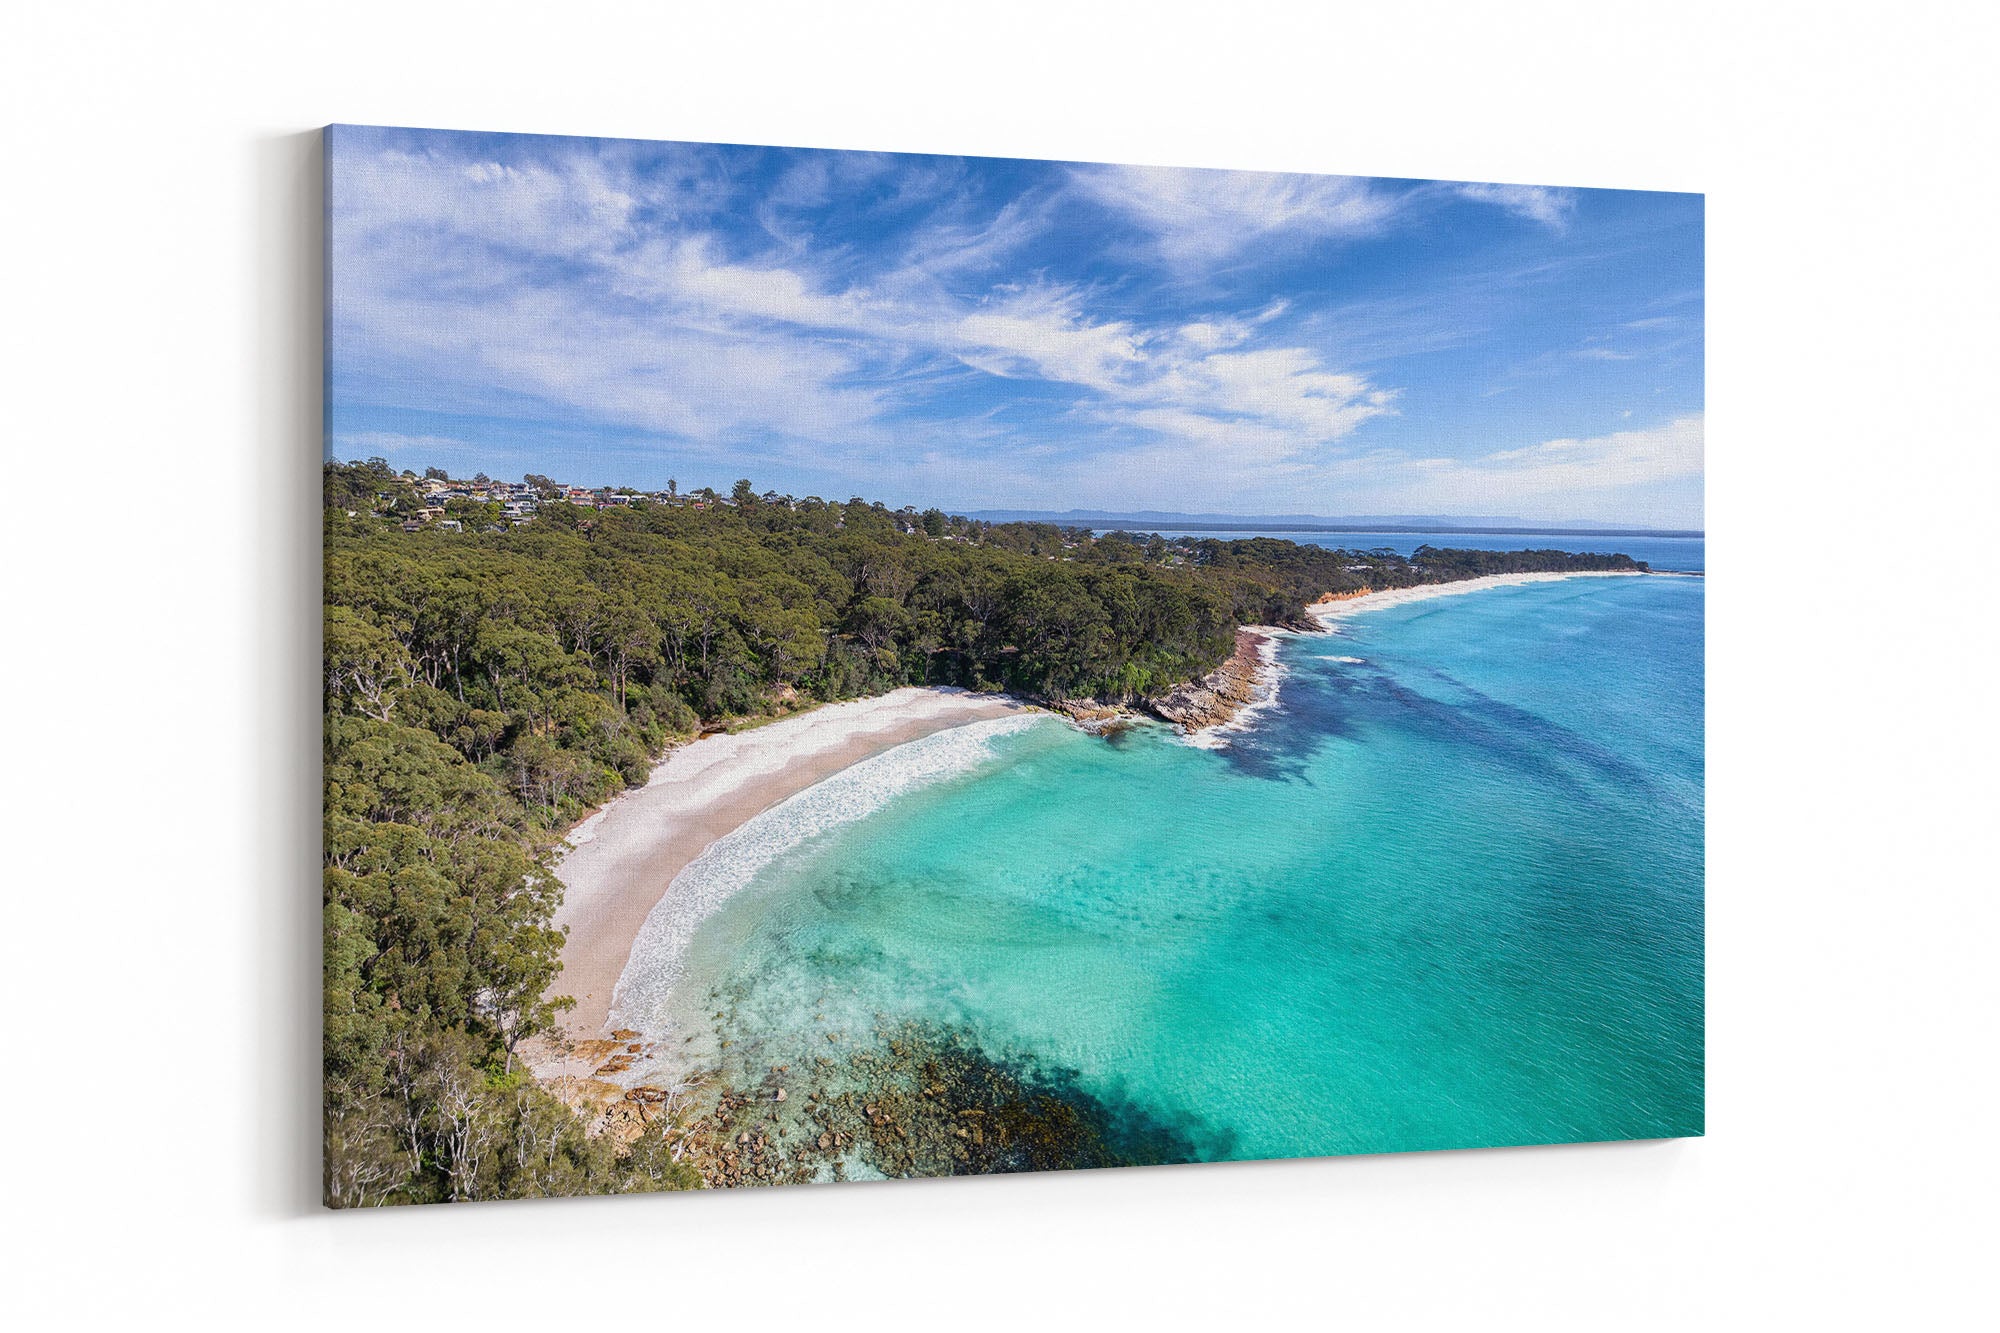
{"points": [[656, 968], [1340, 607], [1208, 710], [623, 859]]}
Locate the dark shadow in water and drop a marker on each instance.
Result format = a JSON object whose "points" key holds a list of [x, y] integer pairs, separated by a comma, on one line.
{"points": [[1322, 705], [1525, 738], [1270, 752], [927, 1099], [1312, 710]]}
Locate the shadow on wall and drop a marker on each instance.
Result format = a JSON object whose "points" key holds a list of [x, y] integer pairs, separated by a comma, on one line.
{"points": [[287, 338]]}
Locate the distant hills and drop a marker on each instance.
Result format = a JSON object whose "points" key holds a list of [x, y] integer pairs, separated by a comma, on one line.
{"points": [[1442, 524]]}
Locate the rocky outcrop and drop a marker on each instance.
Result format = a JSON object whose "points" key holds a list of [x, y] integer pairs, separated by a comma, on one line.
{"points": [[1220, 695], [586, 1077], [1090, 714]]}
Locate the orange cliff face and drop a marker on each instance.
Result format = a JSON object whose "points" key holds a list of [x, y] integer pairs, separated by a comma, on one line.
{"points": [[1327, 597]]}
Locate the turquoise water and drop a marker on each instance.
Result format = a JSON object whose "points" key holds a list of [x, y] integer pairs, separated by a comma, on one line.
{"points": [[1445, 892]]}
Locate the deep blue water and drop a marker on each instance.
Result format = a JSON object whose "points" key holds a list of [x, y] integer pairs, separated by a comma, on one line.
{"points": [[1682, 554], [1445, 892]]}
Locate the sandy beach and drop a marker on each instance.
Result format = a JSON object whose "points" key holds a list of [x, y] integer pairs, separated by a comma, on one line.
{"points": [[1340, 608], [623, 858]]}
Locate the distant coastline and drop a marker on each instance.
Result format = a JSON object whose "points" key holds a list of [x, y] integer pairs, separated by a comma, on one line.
{"points": [[1334, 608], [1150, 520], [1277, 529], [1246, 680]]}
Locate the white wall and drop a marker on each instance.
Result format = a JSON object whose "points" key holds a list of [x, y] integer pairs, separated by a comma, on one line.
{"points": [[160, 317]]}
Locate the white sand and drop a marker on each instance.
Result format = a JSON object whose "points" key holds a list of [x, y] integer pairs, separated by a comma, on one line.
{"points": [[1270, 671], [1328, 612], [623, 858]]}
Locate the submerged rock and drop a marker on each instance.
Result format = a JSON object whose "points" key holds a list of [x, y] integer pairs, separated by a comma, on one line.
{"points": [[923, 1101]]}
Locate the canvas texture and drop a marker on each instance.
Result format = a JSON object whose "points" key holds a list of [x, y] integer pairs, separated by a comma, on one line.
{"points": [[848, 666]]}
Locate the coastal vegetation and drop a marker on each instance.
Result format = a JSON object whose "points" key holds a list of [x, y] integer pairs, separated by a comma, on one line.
{"points": [[488, 680]]}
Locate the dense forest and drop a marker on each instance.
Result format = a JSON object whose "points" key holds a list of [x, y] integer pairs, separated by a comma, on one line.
{"points": [[490, 677]]}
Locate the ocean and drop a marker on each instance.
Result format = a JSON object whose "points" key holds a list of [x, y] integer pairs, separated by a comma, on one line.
{"points": [[1445, 891]]}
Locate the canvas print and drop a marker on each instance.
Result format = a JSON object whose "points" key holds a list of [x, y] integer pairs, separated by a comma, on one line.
{"points": [[847, 666]]}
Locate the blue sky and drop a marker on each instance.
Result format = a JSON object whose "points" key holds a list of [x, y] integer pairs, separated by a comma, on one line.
{"points": [[987, 333]]}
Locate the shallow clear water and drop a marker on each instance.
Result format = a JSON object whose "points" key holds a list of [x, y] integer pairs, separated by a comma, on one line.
{"points": [[1446, 892]]}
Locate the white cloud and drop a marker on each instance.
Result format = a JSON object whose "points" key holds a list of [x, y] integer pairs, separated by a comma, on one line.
{"points": [[1045, 333], [443, 269], [1209, 335], [950, 247], [1537, 203], [574, 207], [1649, 476], [473, 285], [1625, 458], [1201, 218]]}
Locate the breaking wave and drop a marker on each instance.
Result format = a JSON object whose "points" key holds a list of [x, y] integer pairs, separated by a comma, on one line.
{"points": [[732, 861], [1271, 672]]}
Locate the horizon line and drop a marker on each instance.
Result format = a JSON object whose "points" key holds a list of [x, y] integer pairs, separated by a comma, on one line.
{"points": [[1205, 522]]}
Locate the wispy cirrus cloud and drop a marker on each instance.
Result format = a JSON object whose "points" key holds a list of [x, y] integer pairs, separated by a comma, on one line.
{"points": [[1537, 203], [550, 281], [1557, 476], [1200, 218], [990, 331]]}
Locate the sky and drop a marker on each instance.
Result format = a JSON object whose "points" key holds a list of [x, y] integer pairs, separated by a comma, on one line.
{"points": [[985, 333]]}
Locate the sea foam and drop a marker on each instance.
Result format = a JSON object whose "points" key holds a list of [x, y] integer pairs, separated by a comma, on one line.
{"points": [[731, 862], [1328, 613], [1271, 672]]}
